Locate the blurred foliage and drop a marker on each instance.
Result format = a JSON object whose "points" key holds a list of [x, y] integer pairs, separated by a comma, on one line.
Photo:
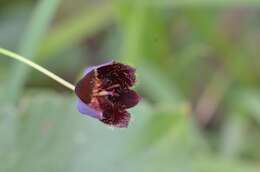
{"points": [[198, 73]]}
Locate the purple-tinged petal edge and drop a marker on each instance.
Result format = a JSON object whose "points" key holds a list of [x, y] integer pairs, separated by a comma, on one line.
{"points": [[85, 109]]}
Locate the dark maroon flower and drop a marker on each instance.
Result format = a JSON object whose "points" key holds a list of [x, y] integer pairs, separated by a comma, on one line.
{"points": [[104, 93]]}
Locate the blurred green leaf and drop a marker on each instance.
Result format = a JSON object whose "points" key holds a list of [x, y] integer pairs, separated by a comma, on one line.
{"points": [[249, 102], [158, 87], [235, 59], [75, 29], [51, 135], [232, 135], [214, 164], [159, 126], [38, 24], [8, 127]]}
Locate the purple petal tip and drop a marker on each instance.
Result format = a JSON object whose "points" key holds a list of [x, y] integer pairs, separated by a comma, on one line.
{"points": [[86, 110]]}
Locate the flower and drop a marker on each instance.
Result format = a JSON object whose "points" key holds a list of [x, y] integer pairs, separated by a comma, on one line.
{"points": [[104, 93]]}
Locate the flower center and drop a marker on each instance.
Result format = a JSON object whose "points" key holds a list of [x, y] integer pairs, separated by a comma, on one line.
{"points": [[109, 91]]}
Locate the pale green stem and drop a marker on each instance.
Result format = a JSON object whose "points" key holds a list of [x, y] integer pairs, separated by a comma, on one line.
{"points": [[37, 67]]}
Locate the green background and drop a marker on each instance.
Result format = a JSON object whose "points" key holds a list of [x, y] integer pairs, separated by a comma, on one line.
{"points": [[198, 71]]}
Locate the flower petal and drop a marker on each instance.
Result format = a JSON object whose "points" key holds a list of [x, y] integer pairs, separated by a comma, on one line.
{"points": [[117, 73], [85, 109], [128, 98], [116, 117], [106, 64], [89, 69], [84, 87], [104, 93]]}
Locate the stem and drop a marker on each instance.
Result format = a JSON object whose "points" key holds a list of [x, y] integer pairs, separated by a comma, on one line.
{"points": [[37, 67]]}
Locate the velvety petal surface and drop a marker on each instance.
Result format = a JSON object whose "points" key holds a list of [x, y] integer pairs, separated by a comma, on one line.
{"points": [[116, 117], [128, 99], [84, 87], [117, 73]]}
